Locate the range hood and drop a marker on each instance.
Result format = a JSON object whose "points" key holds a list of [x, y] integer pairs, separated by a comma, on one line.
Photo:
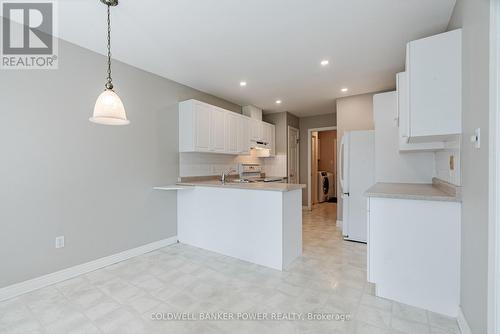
{"points": [[259, 145], [260, 149]]}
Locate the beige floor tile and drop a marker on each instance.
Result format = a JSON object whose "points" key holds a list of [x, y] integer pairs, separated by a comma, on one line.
{"points": [[447, 324], [409, 327], [330, 277], [410, 313]]}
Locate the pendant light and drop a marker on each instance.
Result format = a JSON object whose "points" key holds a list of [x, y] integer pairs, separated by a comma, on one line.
{"points": [[109, 108]]}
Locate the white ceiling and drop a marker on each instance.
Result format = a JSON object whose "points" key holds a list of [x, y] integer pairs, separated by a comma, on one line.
{"points": [[274, 45]]}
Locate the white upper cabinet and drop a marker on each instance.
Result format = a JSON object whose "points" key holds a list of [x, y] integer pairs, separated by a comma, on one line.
{"points": [[194, 134], [207, 128], [218, 130], [268, 136], [434, 86], [255, 130], [266, 132], [272, 142], [402, 119], [243, 136], [232, 129]]}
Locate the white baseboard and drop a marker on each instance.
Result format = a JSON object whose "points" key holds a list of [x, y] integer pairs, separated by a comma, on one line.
{"points": [[305, 208], [62, 275], [462, 323]]}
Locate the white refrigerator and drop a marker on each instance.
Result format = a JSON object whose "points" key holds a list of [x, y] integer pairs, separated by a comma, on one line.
{"points": [[357, 174]]}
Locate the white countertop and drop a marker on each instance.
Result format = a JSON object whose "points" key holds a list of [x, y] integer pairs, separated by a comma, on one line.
{"points": [[417, 191], [267, 186]]}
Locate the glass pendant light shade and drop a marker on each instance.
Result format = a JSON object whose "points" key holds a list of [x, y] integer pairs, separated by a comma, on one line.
{"points": [[109, 109]]}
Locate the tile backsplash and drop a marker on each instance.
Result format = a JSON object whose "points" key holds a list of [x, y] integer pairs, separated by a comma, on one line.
{"points": [[275, 166], [208, 164]]}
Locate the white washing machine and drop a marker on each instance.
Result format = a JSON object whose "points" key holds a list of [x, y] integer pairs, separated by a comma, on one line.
{"points": [[331, 179], [323, 186], [326, 186]]}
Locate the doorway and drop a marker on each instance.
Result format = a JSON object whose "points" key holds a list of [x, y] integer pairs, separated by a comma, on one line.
{"points": [[293, 155], [322, 166]]}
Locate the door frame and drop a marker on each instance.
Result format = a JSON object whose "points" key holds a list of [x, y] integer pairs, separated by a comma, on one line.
{"points": [[288, 152], [494, 172], [309, 160]]}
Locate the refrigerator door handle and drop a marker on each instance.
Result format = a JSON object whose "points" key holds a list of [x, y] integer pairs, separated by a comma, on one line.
{"points": [[341, 162]]}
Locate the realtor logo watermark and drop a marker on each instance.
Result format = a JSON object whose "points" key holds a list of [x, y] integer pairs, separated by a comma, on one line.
{"points": [[28, 30]]}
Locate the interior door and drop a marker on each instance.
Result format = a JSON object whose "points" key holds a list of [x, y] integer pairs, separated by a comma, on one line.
{"points": [[293, 155], [314, 168], [334, 166], [343, 178]]}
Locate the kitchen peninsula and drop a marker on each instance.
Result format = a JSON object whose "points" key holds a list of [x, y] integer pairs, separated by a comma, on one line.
{"points": [[256, 222]]}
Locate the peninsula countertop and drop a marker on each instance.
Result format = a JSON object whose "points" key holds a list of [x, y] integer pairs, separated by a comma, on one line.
{"points": [[267, 186], [436, 191]]}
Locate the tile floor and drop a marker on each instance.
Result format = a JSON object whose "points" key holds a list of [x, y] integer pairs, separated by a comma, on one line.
{"points": [[329, 278]]}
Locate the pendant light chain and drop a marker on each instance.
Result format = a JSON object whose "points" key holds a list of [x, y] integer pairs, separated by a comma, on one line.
{"points": [[109, 109], [109, 84]]}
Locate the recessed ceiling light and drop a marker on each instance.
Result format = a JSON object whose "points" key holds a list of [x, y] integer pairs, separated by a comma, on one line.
{"points": [[278, 101], [243, 83], [324, 62], [343, 90]]}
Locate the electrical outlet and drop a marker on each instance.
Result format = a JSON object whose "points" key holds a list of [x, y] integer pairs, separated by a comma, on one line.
{"points": [[60, 242], [452, 162]]}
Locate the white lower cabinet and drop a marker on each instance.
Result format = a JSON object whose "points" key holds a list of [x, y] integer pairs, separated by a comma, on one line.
{"points": [[414, 252], [207, 128]]}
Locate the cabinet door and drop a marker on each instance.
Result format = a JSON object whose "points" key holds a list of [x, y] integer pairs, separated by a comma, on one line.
{"points": [[231, 128], [434, 86], [217, 130], [243, 135], [266, 132], [256, 130], [202, 117], [402, 115], [404, 120], [272, 141]]}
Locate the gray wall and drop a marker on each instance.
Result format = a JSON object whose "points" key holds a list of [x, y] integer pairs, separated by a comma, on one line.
{"points": [[292, 120], [473, 16], [62, 175], [306, 123]]}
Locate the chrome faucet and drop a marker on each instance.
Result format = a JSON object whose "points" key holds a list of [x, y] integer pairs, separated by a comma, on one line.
{"points": [[225, 175]]}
